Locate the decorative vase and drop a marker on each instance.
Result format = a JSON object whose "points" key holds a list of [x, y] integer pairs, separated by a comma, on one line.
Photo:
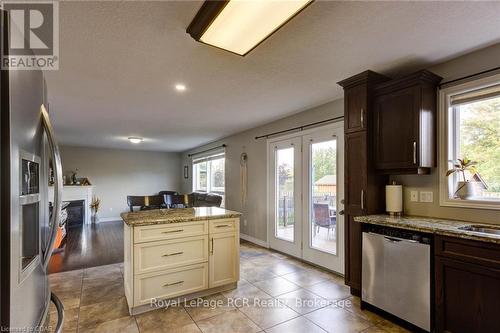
{"points": [[466, 190], [94, 218]]}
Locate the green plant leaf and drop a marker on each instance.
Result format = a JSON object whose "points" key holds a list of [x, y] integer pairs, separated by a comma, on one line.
{"points": [[449, 172]]}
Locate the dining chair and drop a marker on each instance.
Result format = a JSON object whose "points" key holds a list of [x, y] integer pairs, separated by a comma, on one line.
{"points": [[175, 200], [323, 219], [147, 202]]}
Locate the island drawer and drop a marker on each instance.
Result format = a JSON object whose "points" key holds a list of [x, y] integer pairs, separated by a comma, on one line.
{"points": [[170, 283], [161, 255], [170, 231], [222, 225]]}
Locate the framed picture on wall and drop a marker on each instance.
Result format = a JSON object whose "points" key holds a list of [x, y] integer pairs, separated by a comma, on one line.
{"points": [[186, 172]]}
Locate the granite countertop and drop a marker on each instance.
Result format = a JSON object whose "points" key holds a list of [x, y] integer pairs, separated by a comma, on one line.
{"points": [[432, 225], [176, 215]]}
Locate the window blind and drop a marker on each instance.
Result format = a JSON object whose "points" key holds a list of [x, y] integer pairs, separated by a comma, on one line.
{"points": [[476, 95]]}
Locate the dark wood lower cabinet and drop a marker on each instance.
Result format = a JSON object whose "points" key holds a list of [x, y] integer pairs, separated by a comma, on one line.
{"points": [[467, 284], [353, 254]]}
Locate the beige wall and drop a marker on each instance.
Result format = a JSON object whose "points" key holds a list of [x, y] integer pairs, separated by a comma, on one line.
{"points": [[253, 222], [254, 215], [116, 173]]}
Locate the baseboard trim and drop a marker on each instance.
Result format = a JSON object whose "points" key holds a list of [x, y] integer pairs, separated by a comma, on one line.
{"points": [[254, 240], [109, 219]]}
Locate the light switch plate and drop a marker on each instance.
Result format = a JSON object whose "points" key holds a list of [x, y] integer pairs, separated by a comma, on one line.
{"points": [[426, 196], [414, 196]]}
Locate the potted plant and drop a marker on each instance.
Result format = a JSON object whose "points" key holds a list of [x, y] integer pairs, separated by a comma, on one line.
{"points": [[94, 206], [466, 187]]}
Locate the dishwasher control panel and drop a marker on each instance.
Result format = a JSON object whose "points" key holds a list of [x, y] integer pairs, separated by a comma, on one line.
{"points": [[399, 233]]}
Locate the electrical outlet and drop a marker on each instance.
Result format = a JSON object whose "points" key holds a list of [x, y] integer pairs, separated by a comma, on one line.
{"points": [[414, 196], [426, 196], [245, 222]]}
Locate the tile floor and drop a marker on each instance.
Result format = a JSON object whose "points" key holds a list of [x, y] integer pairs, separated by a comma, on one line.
{"points": [[284, 295]]}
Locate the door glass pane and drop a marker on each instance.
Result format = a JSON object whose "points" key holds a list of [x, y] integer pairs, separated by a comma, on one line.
{"points": [[323, 182], [284, 176]]}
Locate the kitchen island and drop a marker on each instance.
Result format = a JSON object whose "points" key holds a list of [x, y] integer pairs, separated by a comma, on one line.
{"points": [[173, 255]]}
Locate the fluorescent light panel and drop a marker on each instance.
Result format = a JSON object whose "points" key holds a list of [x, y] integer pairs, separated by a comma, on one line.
{"points": [[243, 24]]}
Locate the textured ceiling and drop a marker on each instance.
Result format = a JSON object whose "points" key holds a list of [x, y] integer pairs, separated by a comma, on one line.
{"points": [[120, 60]]}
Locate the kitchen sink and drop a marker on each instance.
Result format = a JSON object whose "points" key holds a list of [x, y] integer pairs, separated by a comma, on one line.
{"points": [[485, 229]]}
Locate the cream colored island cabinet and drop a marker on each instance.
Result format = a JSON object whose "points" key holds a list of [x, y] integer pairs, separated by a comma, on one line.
{"points": [[179, 254]]}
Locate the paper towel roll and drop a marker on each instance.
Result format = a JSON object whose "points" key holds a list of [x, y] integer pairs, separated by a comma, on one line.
{"points": [[394, 199]]}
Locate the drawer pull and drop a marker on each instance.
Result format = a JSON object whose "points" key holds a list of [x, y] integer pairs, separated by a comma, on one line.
{"points": [[172, 254], [173, 284], [222, 225], [172, 231]]}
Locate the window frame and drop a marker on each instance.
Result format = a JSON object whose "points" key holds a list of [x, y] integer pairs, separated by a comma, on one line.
{"points": [[448, 138], [206, 159]]}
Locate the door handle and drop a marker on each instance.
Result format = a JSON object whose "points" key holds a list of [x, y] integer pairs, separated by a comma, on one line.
{"points": [[341, 212], [414, 152], [212, 243], [58, 186], [362, 199], [60, 312]]}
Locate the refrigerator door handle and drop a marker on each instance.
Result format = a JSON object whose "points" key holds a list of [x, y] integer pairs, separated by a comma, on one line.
{"points": [[58, 185], [60, 312]]}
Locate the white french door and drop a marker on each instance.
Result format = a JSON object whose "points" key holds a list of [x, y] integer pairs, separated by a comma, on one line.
{"points": [[306, 186]]}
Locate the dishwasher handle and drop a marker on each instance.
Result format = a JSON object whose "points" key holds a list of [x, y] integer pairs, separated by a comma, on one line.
{"points": [[393, 239]]}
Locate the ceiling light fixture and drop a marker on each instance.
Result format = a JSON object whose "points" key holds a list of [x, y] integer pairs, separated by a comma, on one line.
{"points": [[135, 139], [239, 26], [180, 87]]}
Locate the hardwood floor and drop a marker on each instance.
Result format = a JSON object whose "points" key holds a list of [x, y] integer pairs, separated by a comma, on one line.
{"points": [[90, 246]]}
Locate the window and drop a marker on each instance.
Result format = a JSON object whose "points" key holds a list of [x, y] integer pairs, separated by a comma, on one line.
{"points": [[471, 129], [208, 174]]}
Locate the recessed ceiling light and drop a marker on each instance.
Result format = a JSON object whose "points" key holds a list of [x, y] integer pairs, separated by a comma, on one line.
{"points": [[180, 87], [239, 26], [135, 139]]}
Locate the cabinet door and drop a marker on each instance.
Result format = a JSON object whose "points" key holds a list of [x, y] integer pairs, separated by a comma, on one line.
{"points": [[467, 297], [353, 253], [224, 259], [355, 108], [396, 122], [355, 204], [355, 172]]}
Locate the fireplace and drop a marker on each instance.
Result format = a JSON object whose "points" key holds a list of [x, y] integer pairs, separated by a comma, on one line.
{"points": [[76, 213]]}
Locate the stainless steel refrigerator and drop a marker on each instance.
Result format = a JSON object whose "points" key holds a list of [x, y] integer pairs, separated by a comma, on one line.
{"points": [[29, 218]]}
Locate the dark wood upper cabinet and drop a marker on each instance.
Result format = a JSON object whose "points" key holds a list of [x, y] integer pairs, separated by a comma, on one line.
{"points": [[355, 103], [357, 95], [404, 134]]}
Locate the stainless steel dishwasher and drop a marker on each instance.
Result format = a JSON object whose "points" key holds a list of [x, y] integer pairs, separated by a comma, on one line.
{"points": [[397, 273]]}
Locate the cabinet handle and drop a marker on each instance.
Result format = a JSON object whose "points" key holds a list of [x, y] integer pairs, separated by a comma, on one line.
{"points": [[172, 231], [222, 225], [173, 284], [362, 199], [362, 118], [172, 254], [212, 250], [414, 152]]}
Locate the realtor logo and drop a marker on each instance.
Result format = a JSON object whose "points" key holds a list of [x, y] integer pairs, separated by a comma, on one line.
{"points": [[33, 39]]}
